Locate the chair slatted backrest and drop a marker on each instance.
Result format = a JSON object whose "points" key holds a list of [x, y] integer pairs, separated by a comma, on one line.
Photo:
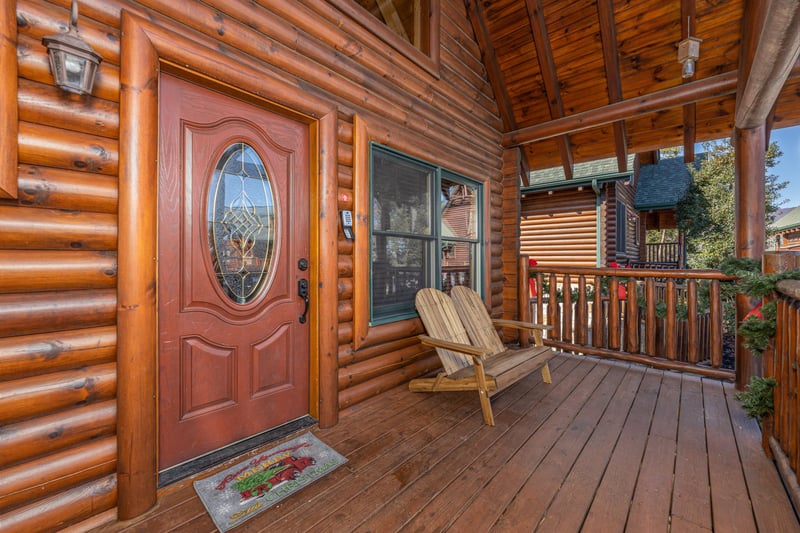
{"points": [[476, 319], [441, 322]]}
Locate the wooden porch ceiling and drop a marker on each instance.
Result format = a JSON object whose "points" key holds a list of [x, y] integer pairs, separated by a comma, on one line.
{"points": [[586, 79], [606, 447]]}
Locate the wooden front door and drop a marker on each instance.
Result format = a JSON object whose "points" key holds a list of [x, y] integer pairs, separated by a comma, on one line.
{"points": [[233, 266]]}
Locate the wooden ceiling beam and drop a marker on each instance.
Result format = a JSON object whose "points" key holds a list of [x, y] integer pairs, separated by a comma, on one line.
{"points": [[688, 28], [711, 87], [608, 39], [392, 18], [547, 67], [772, 62], [477, 18]]}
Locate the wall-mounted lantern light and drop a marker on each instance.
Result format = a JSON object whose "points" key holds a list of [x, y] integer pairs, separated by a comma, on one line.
{"points": [[688, 53], [72, 61]]}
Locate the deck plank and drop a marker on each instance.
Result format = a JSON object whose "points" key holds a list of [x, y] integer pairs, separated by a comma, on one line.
{"points": [[730, 502], [651, 499], [369, 463], [509, 479], [691, 499], [609, 510], [446, 507], [773, 512], [596, 450], [407, 503], [531, 502], [572, 501]]}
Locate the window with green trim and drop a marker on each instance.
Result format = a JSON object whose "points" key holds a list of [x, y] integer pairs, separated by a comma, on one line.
{"points": [[425, 232]]}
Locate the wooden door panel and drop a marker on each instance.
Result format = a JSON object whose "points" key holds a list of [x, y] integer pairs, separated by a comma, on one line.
{"points": [[233, 224], [208, 377]]}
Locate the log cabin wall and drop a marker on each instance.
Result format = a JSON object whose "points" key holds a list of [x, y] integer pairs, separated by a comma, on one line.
{"points": [[623, 192], [58, 289], [509, 261], [560, 228]]}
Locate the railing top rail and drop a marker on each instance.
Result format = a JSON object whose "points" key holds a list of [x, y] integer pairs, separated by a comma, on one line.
{"points": [[632, 272], [789, 287]]}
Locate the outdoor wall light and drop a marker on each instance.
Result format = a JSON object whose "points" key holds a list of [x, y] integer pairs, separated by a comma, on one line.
{"points": [[72, 61], [688, 53]]}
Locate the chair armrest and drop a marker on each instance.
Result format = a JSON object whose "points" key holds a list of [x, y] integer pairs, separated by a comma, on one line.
{"points": [[502, 323], [453, 346]]}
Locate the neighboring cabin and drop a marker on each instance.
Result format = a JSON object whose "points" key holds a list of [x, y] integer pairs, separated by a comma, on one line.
{"points": [[786, 230], [588, 220], [663, 183], [602, 216]]}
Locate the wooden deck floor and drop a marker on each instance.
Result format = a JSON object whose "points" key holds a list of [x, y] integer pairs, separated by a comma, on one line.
{"points": [[607, 447]]}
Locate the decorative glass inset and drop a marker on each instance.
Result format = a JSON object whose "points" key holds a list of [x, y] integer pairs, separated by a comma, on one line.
{"points": [[241, 222]]}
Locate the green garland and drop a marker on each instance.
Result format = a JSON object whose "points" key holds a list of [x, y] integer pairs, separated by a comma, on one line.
{"points": [[756, 330], [757, 400]]}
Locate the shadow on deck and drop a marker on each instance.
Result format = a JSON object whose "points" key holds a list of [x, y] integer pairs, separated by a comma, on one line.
{"points": [[608, 446]]}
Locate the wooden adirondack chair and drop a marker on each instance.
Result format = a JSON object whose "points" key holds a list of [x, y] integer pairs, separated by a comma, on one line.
{"points": [[472, 354]]}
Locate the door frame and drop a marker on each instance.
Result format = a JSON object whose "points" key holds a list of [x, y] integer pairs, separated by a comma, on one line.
{"points": [[147, 49]]}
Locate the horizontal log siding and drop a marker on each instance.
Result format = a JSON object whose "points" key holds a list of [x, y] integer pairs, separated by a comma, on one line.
{"points": [[58, 239], [559, 228], [58, 275]]}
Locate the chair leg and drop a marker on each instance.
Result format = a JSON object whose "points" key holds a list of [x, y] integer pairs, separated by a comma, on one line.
{"points": [[546, 373], [486, 408]]}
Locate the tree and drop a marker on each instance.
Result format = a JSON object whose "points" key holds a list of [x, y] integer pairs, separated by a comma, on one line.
{"points": [[707, 213]]}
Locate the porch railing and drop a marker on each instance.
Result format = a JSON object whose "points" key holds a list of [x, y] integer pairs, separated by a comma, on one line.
{"points": [[664, 318], [663, 252], [781, 362]]}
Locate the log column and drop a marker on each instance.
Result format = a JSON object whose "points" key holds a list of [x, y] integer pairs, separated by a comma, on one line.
{"points": [[750, 145], [136, 309]]}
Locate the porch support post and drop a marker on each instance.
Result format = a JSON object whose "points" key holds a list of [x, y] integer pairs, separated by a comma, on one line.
{"points": [[137, 326], [750, 145]]}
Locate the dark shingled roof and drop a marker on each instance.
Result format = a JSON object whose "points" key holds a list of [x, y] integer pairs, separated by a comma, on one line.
{"points": [[662, 185], [581, 174]]}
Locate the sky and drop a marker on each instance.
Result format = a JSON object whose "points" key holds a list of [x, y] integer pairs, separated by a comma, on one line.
{"points": [[788, 167]]}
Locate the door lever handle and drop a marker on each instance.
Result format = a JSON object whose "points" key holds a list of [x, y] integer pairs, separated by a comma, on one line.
{"points": [[302, 292]]}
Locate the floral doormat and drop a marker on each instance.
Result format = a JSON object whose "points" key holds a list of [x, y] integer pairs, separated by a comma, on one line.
{"points": [[248, 488]]}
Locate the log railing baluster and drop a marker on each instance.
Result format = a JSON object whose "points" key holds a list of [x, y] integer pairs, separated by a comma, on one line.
{"points": [[633, 315]]}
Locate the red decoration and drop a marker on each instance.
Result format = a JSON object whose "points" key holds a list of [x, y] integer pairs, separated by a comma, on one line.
{"points": [[622, 292], [756, 312]]}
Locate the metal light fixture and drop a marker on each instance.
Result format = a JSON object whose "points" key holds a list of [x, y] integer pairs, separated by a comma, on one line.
{"points": [[72, 61], [688, 53]]}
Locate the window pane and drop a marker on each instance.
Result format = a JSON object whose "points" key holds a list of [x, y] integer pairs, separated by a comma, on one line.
{"points": [[622, 221], [407, 18], [458, 210], [241, 223], [400, 194], [458, 264], [398, 272]]}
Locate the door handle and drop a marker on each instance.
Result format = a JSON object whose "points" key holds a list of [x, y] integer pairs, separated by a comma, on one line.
{"points": [[302, 292]]}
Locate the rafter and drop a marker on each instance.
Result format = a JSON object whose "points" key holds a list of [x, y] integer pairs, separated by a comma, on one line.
{"points": [[392, 18], [688, 28], [547, 67], [477, 18], [772, 62], [711, 87], [608, 38]]}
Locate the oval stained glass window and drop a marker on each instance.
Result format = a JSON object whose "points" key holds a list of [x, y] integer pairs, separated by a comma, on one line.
{"points": [[241, 223]]}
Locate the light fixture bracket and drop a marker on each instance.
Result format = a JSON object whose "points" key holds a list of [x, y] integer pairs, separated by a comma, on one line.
{"points": [[688, 53], [72, 61]]}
